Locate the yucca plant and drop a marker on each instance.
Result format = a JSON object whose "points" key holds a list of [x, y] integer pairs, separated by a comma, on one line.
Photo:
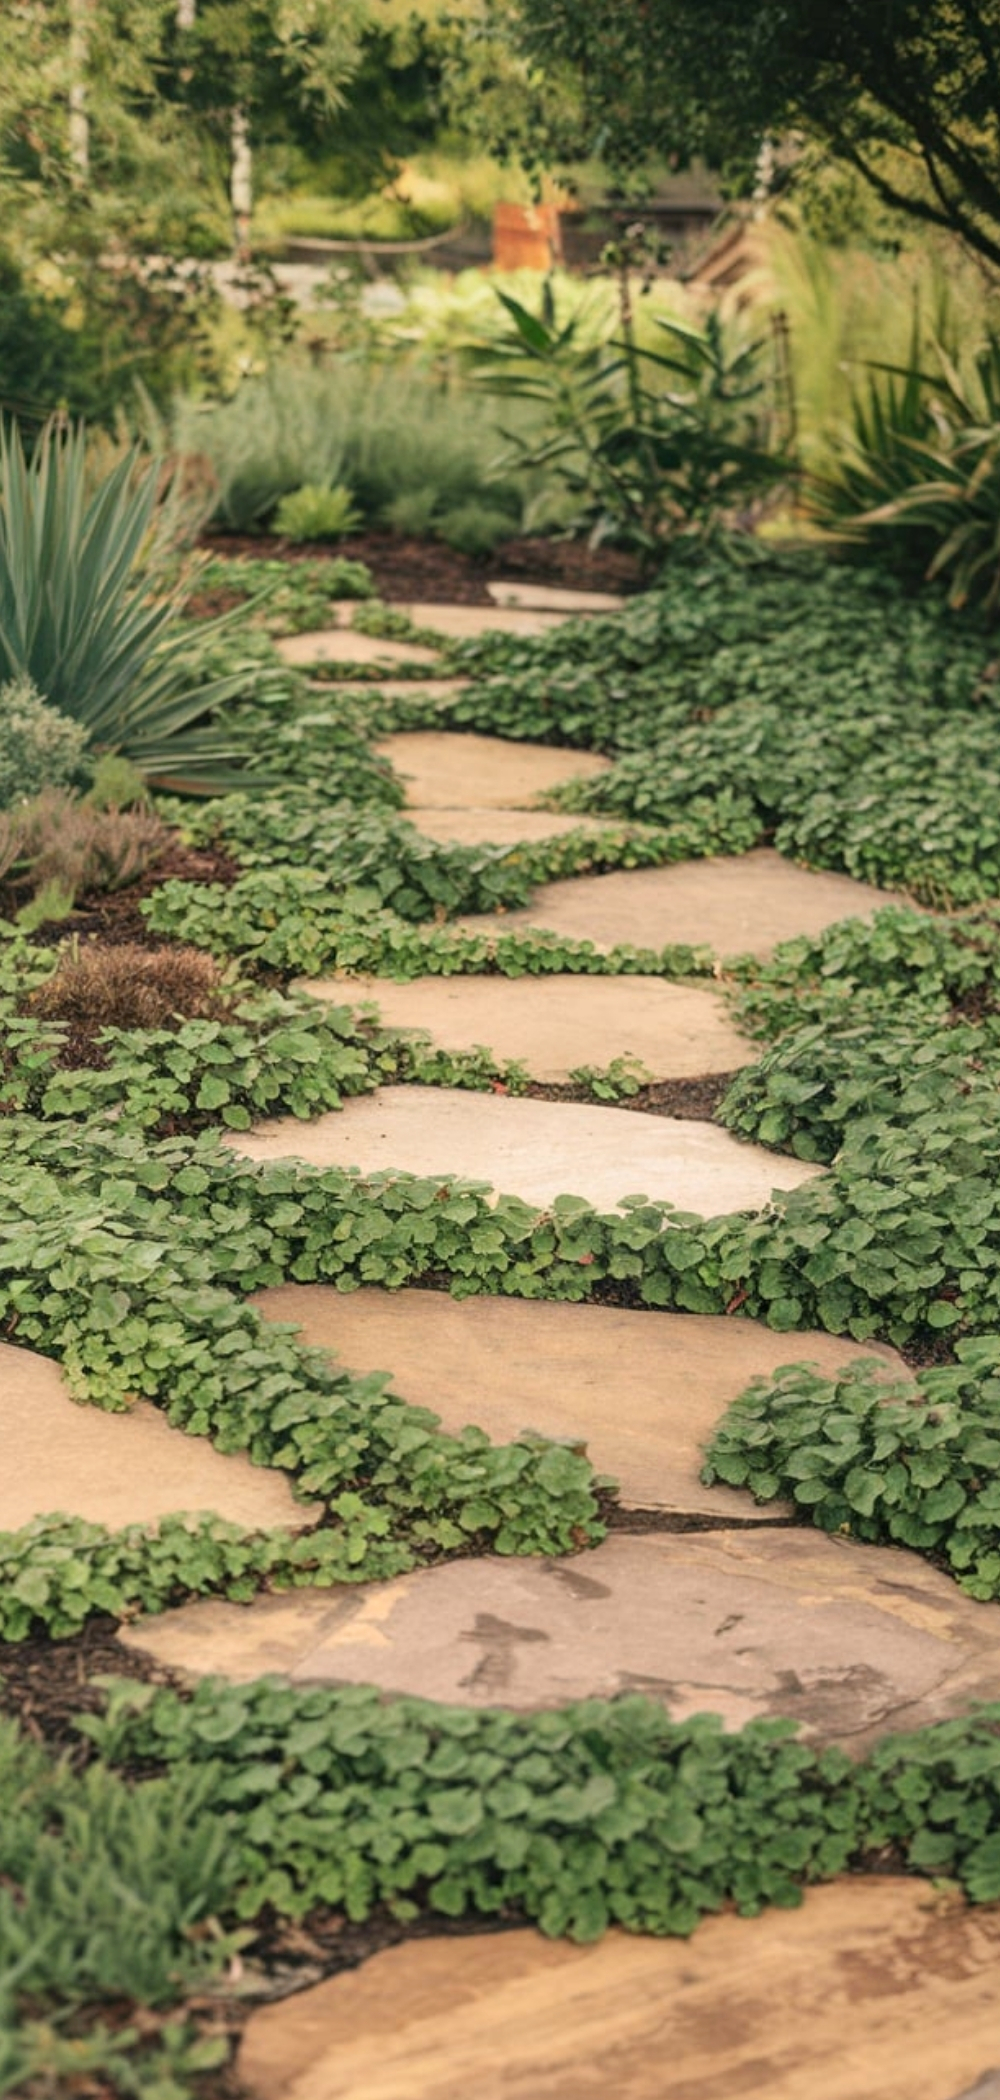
{"points": [[920, 473], [84, 616]]}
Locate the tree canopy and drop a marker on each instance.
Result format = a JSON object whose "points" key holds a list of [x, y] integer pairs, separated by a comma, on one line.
{"points": [[907, 92]]}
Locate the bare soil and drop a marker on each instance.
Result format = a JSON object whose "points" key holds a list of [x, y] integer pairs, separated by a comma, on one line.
{"points": [[431, 573]]}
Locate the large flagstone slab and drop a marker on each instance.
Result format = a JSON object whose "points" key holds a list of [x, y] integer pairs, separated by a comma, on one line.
{"points": [[736, 905], [443, 769], [442, 689], [546, 597], [642, 1391], [854, 1642], [534, 1149], [502, 827], [342, 645], [875, 1989], [466, 622], [118, 1469], [555, 1024]]}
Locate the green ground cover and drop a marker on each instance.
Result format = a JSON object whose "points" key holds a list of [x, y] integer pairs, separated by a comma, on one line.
{"points": [[820, 710]]}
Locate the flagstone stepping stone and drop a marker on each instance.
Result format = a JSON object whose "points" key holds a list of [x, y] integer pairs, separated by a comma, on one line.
{"points": [[467, 622], [544, 597], [341, 645], [445, 770], [504, 827], [399, 688], [534, 1149], [554, 1024], [643, 1391], [118, 1469], [875, 1988], [735, 905], [854, 1642]]}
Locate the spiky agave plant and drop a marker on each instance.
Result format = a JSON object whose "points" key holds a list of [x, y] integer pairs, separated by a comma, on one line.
{"points": [[85, 615]]}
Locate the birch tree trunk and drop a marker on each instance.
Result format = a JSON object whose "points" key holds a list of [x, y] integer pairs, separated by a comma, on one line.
{"points": [[79, 122], [240, 181]]}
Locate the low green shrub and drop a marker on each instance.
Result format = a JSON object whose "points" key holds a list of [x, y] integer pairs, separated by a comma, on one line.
{"points": [[39, 746], [383, 432], [316, 512]]}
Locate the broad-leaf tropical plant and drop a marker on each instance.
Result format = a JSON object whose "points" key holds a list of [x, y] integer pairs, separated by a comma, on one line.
{"points": [[85, 616], [650, 444]]}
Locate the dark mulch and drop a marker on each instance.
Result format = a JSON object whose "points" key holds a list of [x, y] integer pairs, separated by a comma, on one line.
{"points": [[113, 916], [45, 1684], [694, 1099], [430, 572]]}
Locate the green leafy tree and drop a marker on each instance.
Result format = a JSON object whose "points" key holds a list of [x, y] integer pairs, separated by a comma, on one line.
{"points": [[906, 92], [239, 67]]}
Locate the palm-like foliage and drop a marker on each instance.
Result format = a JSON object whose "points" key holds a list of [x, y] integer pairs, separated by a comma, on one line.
{"points": [[920, 472], [80, 614]]}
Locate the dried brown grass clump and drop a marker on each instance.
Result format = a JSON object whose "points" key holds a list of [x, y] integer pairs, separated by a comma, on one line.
{"points": [[132, 987], [58, 840]]}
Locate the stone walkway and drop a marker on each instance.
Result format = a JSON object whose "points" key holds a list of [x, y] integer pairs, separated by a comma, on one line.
{"points": [[701, 1598]]}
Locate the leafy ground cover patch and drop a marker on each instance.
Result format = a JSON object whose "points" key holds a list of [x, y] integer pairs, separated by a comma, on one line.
{"points": [[818, 709], [215, 1811]]}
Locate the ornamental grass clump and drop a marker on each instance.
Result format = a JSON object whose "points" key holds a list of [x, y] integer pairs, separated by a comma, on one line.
{"points": [[85, 613], [131, 987]]}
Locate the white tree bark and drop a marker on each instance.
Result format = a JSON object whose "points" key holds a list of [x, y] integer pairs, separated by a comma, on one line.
{"points": [[79, 121], [240, 181]]}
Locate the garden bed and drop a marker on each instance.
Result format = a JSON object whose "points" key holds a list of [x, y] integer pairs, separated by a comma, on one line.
{"points": [[429, 572]]}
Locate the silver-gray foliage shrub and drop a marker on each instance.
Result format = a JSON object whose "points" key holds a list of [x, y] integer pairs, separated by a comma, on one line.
{"points": [[39, 746]]}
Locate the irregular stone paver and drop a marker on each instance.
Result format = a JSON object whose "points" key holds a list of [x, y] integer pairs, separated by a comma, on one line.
{"points": [[341, 645], [744, 904], [854, 1642], [501, 827], [642, 1391], [118, 1469], [396, 688], [555, 1024], [874, 1990], [464, 622], [444, 770], [534, 1149], [544, 597], [412, 687]]}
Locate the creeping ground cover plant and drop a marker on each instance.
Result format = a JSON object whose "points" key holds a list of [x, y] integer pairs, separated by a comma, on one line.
{"points": [[775, 703]]}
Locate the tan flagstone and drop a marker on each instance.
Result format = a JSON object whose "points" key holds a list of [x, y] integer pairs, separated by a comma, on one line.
{"points": [[643, 1392], [876, 1989], [465, 622], [506, 827], [853, 1642], [555, 1024], [118, 1469], [736, 905], [534, 1149], [544, 597], [443, 769], [342, 645], [442, 689]]}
